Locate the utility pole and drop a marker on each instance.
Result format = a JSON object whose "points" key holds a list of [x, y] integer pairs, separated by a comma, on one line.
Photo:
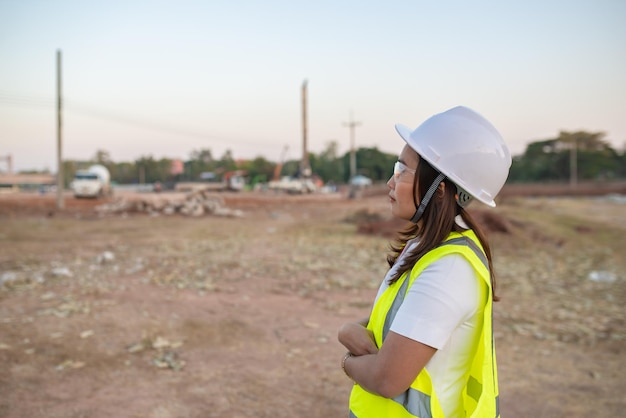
{"points": [[352, 124], [60, 202], [305, 167]]}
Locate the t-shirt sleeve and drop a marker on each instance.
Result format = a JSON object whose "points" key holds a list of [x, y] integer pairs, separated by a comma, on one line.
{"points": [[442, 297]]}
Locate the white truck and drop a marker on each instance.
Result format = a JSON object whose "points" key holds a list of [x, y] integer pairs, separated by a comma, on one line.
{"points": [[292, 185], [93, 182]]}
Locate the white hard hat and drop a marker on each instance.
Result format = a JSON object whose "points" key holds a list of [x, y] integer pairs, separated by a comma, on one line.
{"points": [[466, 148]]}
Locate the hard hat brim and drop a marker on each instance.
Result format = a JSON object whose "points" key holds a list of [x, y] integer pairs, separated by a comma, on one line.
{"points": [[405, 133]]}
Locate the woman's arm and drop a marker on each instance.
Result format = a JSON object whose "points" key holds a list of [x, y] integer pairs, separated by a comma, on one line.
{"points": [[446, 294], [357, 338], [391, 371]]}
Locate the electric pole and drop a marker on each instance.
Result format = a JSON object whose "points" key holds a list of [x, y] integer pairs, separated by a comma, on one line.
{"points": [[60, 202], [352, 124], [305, 167]]}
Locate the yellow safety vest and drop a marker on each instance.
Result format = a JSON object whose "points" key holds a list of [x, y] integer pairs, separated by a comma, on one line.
{"points": [[480, 395]]}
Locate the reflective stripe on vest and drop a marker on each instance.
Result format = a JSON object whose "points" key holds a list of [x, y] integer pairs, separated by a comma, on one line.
{"points": [[413, 401]]}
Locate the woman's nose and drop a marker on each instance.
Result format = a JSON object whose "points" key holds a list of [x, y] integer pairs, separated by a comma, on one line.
{"points": [[391, 183]]}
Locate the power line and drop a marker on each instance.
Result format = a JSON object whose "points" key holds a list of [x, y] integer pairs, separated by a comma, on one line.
{"points": [[70, 106], [12, 99]]}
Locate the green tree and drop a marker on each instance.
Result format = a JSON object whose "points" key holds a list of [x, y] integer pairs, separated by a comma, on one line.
{"points": [[199, 162], [551, 159], [258, 170], [226, 163], [102, 157], [621, 163], [596, 160], [291, 168], [150, 170], [370, 162], [69, 169], [328, 166], [125, 173], [542, 160]]}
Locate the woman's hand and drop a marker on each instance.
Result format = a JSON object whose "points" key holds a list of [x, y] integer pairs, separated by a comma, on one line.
{"points": [[357, 338]]}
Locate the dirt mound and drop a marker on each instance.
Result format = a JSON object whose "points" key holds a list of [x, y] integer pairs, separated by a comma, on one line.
{"points": [[491, 221]]}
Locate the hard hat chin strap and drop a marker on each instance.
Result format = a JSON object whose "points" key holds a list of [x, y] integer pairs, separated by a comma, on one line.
{"points": [[426, 199]]}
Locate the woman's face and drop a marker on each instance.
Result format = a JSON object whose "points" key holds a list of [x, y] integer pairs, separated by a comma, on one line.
{"points": [[401, 184]]}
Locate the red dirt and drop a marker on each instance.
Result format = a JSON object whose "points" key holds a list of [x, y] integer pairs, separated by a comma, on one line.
{"points": [[243, 313]]}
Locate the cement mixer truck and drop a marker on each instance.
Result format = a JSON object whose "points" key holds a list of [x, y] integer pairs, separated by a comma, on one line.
{"points": [[93, 182]]}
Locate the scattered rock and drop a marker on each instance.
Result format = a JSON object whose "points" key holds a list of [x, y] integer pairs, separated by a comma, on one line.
{"points": [[136, 348], [105, 257], [168, 360], [8, 277], [61, 272], [194, 204], [70, 364], [86, 334], [602, 276]]}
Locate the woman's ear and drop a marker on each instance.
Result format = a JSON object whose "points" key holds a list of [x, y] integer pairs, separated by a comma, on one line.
{"points": [[441, 190]]}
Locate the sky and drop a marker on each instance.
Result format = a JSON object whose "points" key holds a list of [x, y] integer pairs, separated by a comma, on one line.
{"points": [[166, 78]]}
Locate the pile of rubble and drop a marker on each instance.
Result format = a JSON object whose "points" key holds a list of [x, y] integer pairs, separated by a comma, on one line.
{"points": [[197, 203]]}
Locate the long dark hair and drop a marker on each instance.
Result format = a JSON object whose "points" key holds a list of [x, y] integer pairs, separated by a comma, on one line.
{"points": [[438, 222]]}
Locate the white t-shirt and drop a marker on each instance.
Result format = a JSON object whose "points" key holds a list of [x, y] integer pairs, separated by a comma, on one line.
{"points": [[444, 309]]}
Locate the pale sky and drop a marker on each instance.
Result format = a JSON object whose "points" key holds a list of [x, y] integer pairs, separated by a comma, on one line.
{"points": [[164, 78]]}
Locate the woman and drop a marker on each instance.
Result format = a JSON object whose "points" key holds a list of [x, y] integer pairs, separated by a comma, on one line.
{"points": [[426, 350]]}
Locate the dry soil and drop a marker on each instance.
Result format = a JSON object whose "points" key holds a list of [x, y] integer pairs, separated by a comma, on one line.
{"points": [[131, 315]]}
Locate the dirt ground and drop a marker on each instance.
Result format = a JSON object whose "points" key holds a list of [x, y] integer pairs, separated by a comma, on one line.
{"points": [[131, 315]]}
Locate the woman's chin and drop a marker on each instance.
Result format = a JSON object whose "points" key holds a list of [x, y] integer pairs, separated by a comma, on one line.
{"points": [[396, 213]]}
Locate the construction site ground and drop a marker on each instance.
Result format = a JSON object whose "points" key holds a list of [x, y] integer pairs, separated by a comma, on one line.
{"points": [[136, 315]]}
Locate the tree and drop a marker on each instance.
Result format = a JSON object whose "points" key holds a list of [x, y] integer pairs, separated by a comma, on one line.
{"points": [[102, 157], [203, 155], [553, 159], [124, 173], [226, 163], [327, 165], [542, 160], [621, 163], [199, 162], [370, 162], [258, 170], [150, 170], [69, 169]]}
